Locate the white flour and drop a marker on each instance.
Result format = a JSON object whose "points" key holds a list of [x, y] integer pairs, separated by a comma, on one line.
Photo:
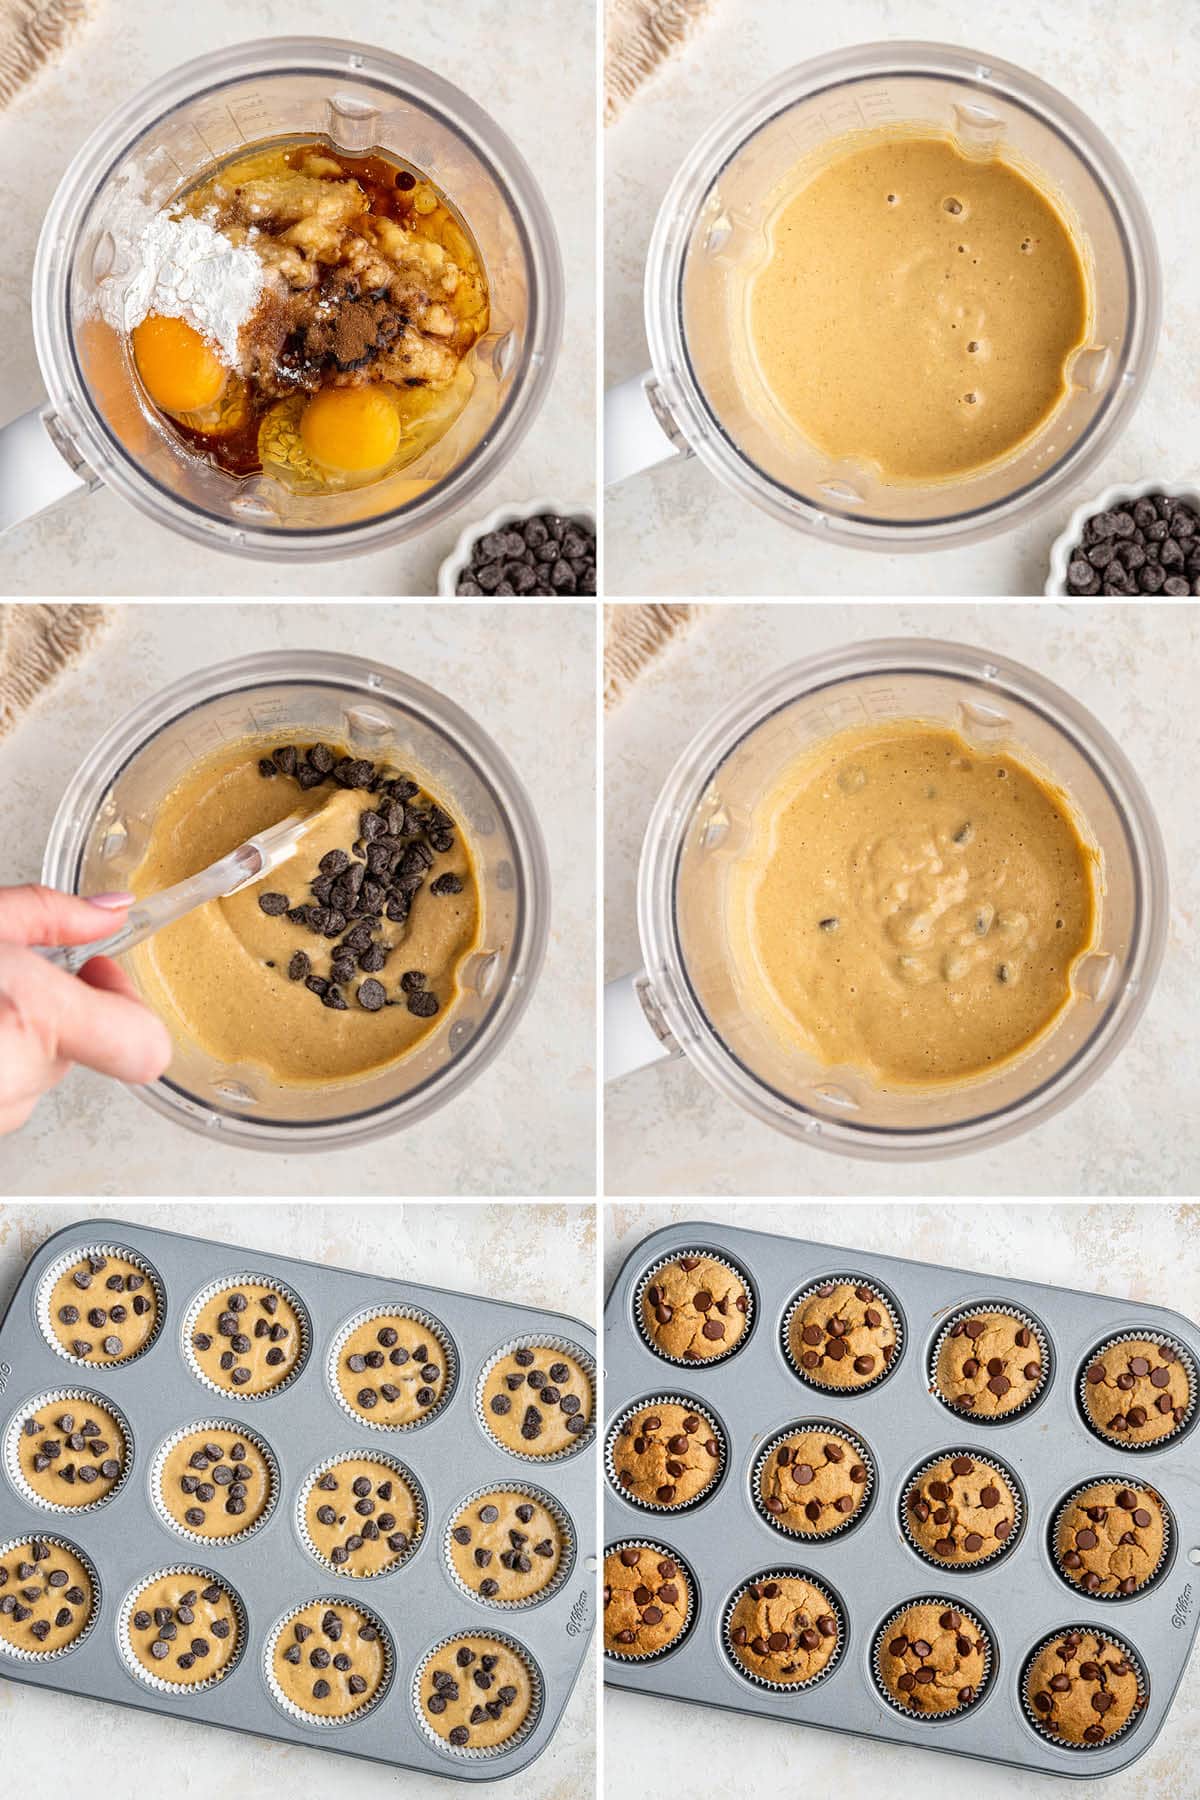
{"points": [[184, 269]]}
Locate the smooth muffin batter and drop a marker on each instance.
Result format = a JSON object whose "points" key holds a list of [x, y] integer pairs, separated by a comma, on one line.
{"points": [[813, 1482], [666, 1454], [960, 1510], [1136, 1391], [392, 1370], [1083, 1689], [216, 1483], [103, 1308], [329, 1660], [247, 1338], [695, 1308], [784, 1630], [647, 1601], [72, 1452], [1110, 1538], [506, 1546], [917, 310], [842, 1335], [378, 903], [46, 1597], [361, 1516], [933, 1658], [911, 908], [476, 1692], [990, 1363], [537, 1401], [184, 1629]]}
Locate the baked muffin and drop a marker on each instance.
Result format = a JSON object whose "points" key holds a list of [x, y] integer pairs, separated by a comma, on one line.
{"points": [[813, 1482], [989, 1364], [842, 1335], [960, 1510], [647, 1601], [695, 1309], [932, 1658], [1083, 1689], [785, 1630], [665, 1454], [1110, 1537], [1136, 1392]]}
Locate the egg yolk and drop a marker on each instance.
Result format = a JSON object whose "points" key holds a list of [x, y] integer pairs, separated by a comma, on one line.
{"points": [[351, 430], [181, 372]]}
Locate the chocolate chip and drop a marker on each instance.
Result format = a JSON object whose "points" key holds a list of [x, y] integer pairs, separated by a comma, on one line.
{"points": [[422, 1004], [274, 905]]}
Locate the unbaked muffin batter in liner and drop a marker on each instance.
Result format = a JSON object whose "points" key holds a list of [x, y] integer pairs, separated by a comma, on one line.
{"points": [[229, 1284], [566, 1538], [480, 1752], [564, 1347], [41, 1404], [68, 1260], [441, 1337]]}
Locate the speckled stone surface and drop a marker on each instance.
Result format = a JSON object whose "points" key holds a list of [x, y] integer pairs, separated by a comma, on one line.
{"points": [[676, 530], [472, 1248], [101, 545], [527, 1124], [1146, 1253], [1136, 1130]]}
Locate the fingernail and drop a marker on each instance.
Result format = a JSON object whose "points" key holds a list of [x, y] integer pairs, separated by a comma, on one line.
{"points": [[111, 902]]}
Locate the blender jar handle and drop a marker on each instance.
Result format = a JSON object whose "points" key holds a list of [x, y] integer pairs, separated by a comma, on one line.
{"points": [[633, 1037], [639, 432], [37, 467]]}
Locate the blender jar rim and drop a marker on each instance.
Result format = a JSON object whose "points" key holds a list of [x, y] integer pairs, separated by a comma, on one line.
{"points": [[684, 1014], [136, 730]]}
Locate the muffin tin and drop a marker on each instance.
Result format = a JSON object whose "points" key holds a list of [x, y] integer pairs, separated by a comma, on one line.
{"points": [[269, 1570], [723, 1540]]}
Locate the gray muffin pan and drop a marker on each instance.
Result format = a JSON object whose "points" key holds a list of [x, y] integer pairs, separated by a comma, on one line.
{"points": [[724, 1541], [419, 1603]]}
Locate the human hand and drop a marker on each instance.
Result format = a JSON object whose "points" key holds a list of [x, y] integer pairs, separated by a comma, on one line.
{"points": [[49, 1019]]}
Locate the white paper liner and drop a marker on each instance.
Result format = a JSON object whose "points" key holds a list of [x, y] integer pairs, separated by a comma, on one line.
{"points": [[1114, 1439], [659, 1549], [946, 1602], [403, 1474], [1120, 1481], [846, 1436], [395, 1310], [227, 1284], [319, 1721], [956, 1566], [566, 1532], [1033, 1717], [56, 1397], [665, 1262], [564, 1347], [1004, 1307], [807, 1376], [480, 1752], [657, 1506], [64, 1543], [205, 1577], [68, 1260], [832, 1600], [210, 1540]]}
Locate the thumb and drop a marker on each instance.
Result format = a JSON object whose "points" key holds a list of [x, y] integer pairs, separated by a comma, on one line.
{"points": [[71, 1020], [41, 915]]}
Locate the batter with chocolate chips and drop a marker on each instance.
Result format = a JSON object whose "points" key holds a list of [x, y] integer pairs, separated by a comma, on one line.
{"points": [[216, 1483], [666, 1454], [960, 1510], [476, 1692], [103, 1309], [784, 1630], [184, 1629], [989, 1364], [813, 1482], [329, 1660], [1082, 1688], [72, 1452], [392, 1370], [247, 1338], [46, 1597], [506, 1546], [362, 1516], [1136, 1391], [647, 1601], [842, 1335], [1110, 1538], [933, 1658], [537, 1401], [695, 1309]]}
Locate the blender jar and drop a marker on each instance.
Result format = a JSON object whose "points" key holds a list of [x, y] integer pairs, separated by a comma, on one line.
{"points": [[686, 999], [99, 837], [703, 395], [96, 428]]}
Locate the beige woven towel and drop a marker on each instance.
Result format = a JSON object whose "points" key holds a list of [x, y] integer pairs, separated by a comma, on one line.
{"points": [[639, 37], [31, 32], [37, 642], [634, 636]]}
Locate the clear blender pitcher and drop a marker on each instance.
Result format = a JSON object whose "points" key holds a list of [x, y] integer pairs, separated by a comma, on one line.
{"points": [[100, 832], [687, 1001], [95, 428], [704, 397]]}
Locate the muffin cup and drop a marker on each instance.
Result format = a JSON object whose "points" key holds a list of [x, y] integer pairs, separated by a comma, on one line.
{"points": [[989, 1662], [1030, 1712], [806, 1375], [63, 1543], [566, 1561], [1009, 1312], [427, 1322], [480, 1752], [160, 1686], [1113, 1439], [319, 1721], [164, 1512], [226, 1283], [665, 1262], [66, 1261], [767, 1452], [398, 1469], [1075, 1587], [565, 1348], [630, 1412], [979, 1562], [785, 1687], [12, 1447], [649, 1656]]}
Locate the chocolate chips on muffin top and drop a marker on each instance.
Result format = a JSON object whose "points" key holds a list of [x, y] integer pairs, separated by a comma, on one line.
{"points": [[695, 1308]]}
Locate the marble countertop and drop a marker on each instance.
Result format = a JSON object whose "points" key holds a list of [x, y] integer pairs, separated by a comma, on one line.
{"points": [[676, 530], [527, 1124], [471, 1248], [1141, 1253], [1137, 1129], [544, 97]]}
